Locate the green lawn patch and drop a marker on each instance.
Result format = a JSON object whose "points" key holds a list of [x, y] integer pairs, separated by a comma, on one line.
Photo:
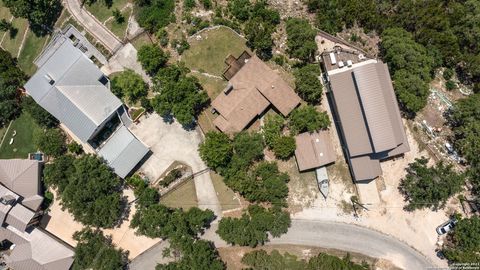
{"points": [[119, 29], [141, 40], [13, 44], [208, 54], [213, 86], [102, 12], [227, 198], [23, 140], [184, 196], [31, 48]]}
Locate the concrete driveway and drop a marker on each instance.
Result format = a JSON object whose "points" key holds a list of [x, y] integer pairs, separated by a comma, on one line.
{"points": [[169, 143]]}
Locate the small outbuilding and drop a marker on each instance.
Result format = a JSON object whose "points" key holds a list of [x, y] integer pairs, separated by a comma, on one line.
{"points": [[314, 150]]}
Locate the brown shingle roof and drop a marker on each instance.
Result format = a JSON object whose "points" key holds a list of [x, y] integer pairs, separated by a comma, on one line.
{"points": [[314, 150], [254, 86]]}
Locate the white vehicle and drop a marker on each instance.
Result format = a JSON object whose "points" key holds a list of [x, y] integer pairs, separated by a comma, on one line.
{"points": [[446, 227]]}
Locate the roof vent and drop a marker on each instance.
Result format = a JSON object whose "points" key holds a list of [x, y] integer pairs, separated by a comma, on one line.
{"points": [[49, 79], [228, 89]]}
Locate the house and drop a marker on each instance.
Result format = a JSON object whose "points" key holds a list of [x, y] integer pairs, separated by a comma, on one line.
{"points": [[73, 89], [252, 88], [314, 150], [30, 248], [366, 112]]}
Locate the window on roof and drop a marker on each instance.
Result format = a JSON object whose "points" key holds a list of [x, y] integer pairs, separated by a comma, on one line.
{"points": [[103, 80]]}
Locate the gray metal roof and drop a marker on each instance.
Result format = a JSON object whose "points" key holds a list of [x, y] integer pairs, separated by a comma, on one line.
{"points": [[374, 104], [123, 151], [74, 95], [36, 250], [369, 116], [19, 217], [22, 176]]}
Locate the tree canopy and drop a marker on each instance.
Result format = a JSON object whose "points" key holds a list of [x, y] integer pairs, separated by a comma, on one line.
{"points": [[11, 79], [129, 84], [463, 243], [307, 84], [429, 187], [96, 251], [260, 259], [301, 39], [154, 14], [179, 95], [259, 24], [216, 150], [252, 228], [50, 141], [88, 188], [41, 14], [307, 118], [152, 58], [284, 147], [42, 117]]}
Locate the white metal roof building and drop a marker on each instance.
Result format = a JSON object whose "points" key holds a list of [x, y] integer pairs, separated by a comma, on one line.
{"points": [[73, 89]]}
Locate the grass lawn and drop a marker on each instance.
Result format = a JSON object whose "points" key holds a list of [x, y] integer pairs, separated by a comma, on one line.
{"points": [[184, 196], [31, 48], [102, 12], [213, 86], [119, 28], [226, 196], [208, 54], [12, 44], [141, 40], [23, 140]]}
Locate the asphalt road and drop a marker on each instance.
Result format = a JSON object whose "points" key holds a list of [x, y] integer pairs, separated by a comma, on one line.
{"points": [[325, 234]]}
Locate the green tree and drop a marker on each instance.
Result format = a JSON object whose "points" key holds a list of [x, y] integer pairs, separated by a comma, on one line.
{"points": [[464, 120], [159, 221], [11, 79], [272, 129], [301, 39], [96, 251], [260, 259], [411, 90], [248, 147], [261, 183], [429, 187], [88, 189], [401, 52], [196, 254], [463, 243], [51, 142], [130, 84], [252, 228], [216, 150], [307, 85], [75, 148], [41, 14], [41, 116], [178, 95], [307, 118], [118, 16], [152, 58], [284, 147], [155, 14]]}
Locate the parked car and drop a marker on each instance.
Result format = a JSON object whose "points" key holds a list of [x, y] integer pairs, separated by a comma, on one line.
{"points": [[446, 227]]}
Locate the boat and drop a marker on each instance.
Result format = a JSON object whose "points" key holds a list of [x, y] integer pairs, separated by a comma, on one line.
{"points": [[322, 181]]}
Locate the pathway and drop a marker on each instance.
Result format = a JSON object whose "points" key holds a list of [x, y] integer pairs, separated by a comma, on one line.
{"points": [[93, 26]]}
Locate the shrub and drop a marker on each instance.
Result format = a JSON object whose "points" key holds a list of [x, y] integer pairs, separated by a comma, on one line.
{"points": [[171, 177], [284, 147]]}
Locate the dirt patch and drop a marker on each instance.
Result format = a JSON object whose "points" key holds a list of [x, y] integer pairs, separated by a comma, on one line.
{"points": [[232, 256]]}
